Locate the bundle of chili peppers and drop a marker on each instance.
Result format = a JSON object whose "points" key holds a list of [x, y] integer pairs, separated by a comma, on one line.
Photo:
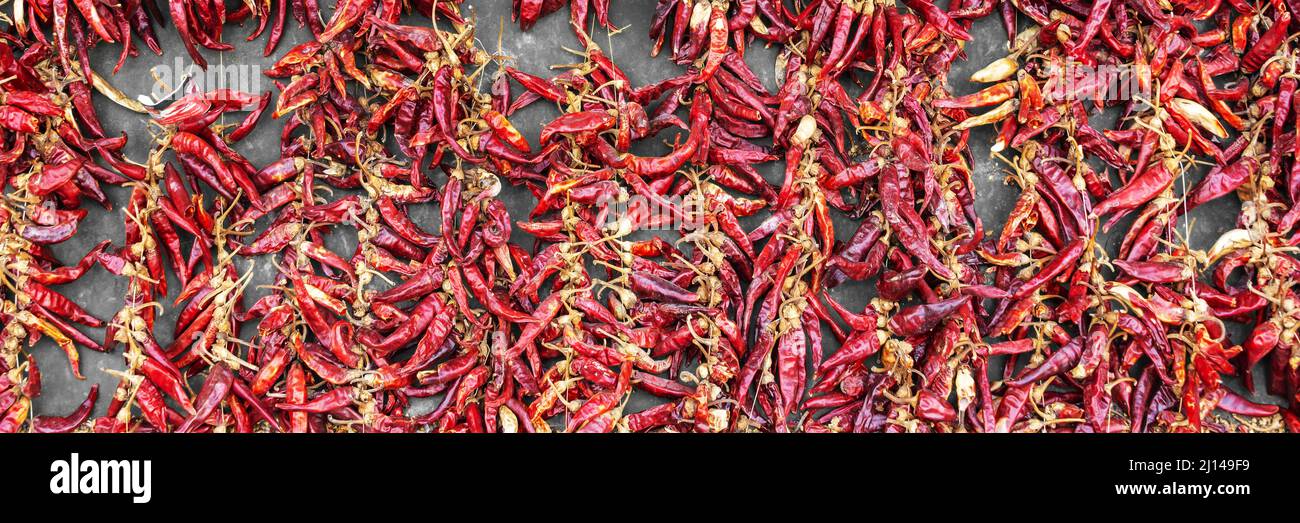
{"points": [[688, 277]]}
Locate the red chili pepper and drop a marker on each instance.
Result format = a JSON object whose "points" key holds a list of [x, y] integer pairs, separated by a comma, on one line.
{"points": [[1141, 189], [593, 122], [1267, 45], [345, 16]]}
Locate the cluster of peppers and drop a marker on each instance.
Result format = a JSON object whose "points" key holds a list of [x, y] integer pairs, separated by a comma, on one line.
{"points": [[1141, 339], [440, 321]]}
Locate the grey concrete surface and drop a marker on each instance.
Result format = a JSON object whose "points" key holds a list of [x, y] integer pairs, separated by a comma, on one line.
{"points": [[533, 51]]}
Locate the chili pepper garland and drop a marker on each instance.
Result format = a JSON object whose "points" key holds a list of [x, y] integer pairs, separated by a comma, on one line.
{"points": [[448, 323]]}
